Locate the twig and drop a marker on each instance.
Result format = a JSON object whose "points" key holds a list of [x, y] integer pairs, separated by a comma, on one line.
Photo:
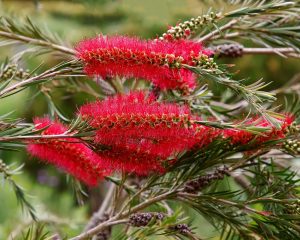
{"points": [[287, 89], [97, 229], [239, 206], [33, 137], [269, 51], [213, 33], [192, 236], [213, 113], [269, 199], [106, 200], [243, 182], [117, 194], [147, 203], [121, 215], [45, 75], [224, 201], [240, 164], [167, 207], [133, 197], [37, 42], [227, 35], [102, 208]]}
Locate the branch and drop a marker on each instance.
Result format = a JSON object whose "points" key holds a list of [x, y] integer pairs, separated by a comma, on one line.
{"points": [[116, 219], [6, 175], [45, 75], [243, 182], [61, 69], [97, 229], [37, 42], [271, 51], [240, 206], [213, 33], [36, 137], [102, 208], [234, 50], [192, 236]]}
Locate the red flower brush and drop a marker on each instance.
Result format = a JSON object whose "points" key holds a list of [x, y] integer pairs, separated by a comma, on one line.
{"points": [[157, 61], [238, 137], [132, 162], [136, 122], [139, 126], [137, 134], [70, 154]]}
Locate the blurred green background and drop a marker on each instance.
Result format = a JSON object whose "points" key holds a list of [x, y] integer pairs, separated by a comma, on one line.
{"points": [[73, 21]]}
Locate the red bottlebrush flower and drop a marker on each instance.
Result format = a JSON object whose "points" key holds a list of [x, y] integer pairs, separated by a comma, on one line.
{"points": [[243, 137], [205, 135], [156, 61], [131, 161], [70, 154], [143, 129], [137, 134], [137, 122]]}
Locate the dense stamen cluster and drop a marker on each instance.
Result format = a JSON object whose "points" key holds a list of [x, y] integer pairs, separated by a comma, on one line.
{"points": [[70, 154], [240, 137], [132, 161], [156, 61], [138, 127], [136, 134]]}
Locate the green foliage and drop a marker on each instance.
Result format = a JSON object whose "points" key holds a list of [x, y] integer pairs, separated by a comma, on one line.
{"points": [[6, 174], [259, 198]]}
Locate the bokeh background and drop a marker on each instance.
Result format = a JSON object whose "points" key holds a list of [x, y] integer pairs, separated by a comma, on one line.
{"points": [[73, 21]]}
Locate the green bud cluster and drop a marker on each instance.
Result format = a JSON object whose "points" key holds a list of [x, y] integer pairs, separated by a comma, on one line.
{"points": [[12, 70], [4, 169], [292, 146], [185, 29], [293, 128], [293, 208], [205, 61]]}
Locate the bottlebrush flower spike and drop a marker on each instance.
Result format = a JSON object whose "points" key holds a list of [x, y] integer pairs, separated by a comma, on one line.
{"points": [[142, 129], [137, 134], [70, 154], [157, 61], [135, 121], [243, 137], [132, 162]]}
